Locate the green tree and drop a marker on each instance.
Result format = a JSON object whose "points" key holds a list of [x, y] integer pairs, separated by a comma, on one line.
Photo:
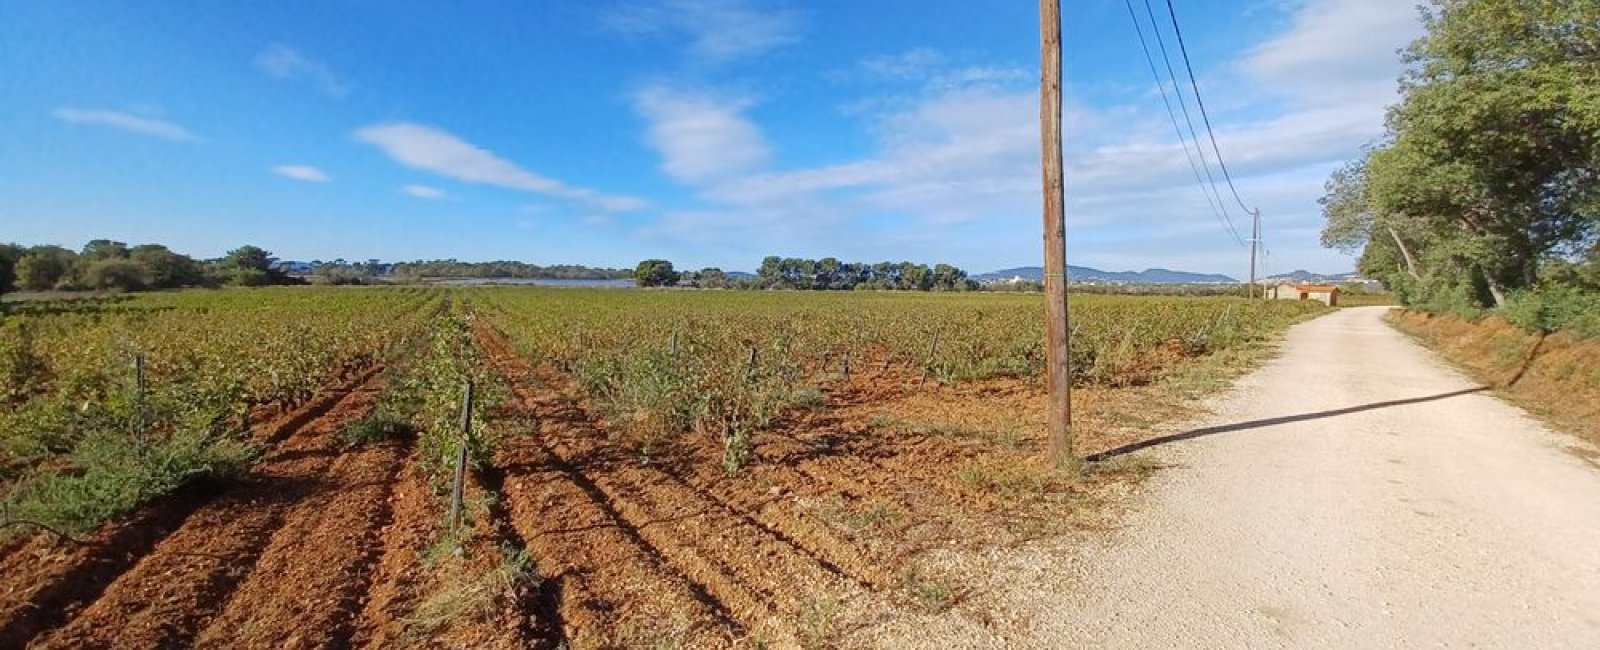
{"points": [[1491, 165], [44, 268], [10, 254], [711, 278], [655, 273], [167, 270], [250, 266], [115, 274]]}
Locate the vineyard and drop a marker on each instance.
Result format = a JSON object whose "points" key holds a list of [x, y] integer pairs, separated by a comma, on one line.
{"points": [[278, 467]]}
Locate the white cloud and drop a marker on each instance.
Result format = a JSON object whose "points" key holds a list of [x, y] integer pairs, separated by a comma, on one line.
{"points": [[1337, 51], [305, 173], [423, 191], [124, 122], [283, 62], [718, 30], [700, 136], [434, 150]]}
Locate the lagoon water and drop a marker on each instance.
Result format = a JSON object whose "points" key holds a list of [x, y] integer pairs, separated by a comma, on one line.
{"points": [[539, 282]]}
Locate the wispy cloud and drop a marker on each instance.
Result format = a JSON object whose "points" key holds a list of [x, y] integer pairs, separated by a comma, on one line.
{"points": [[441, 152], [718, 30], [701, 136], [1337, 51], [283, 62], [935, 71], [423, 191], [305, 173], [124, 122]]}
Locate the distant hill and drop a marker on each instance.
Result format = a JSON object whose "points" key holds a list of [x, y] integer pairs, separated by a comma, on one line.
{"points": [[1302, 275], [1086, 274]]}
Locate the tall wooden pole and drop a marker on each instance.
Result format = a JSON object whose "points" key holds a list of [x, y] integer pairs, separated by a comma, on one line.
{"points": [[1058, 351]]}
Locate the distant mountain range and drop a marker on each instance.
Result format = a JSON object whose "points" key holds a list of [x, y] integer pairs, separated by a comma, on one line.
{"points": [[1086, 274], [1302, 275]]}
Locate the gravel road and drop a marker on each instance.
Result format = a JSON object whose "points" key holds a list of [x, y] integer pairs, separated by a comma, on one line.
{"points": [[1356, 492]]}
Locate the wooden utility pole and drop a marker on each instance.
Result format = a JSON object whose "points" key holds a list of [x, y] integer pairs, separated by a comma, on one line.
{"points": [[1058, 354], [1255, 238]]}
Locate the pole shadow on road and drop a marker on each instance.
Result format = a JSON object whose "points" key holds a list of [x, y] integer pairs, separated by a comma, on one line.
{"points": [[1267, 422]]}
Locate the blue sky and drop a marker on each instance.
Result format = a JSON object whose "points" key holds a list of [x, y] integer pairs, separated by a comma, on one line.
{"points": [[708, 132]]}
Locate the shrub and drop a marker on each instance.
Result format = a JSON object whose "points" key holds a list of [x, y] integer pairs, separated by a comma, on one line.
{"points": [[1556, 308], [117, 473]]}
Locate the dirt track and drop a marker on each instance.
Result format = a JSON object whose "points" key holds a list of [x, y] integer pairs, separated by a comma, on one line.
{"points": [[1355, 492]]}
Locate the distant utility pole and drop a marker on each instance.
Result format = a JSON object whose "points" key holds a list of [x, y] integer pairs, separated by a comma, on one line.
{"points": [[1058, 351], [1255, 238]]}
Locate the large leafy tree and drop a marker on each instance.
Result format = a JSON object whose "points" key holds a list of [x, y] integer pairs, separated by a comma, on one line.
{"points": [[10, 254], [655, 273], [167, 270], [1491, 166], [45, 267], [251, 266]]}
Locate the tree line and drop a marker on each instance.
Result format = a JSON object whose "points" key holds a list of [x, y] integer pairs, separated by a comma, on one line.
{"points": [[1484, 193], [502, 269], [106, 265], [826, 274]]}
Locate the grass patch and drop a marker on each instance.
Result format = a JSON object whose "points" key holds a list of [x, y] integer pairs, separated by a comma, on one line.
{"points": [[930, 593], [379, 426], [819, 622], [111, 473], [808, 397], [1125, 465], [874, 517], [465, 596]]}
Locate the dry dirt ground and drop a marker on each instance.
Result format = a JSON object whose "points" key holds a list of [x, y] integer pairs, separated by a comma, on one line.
{"points": [[1353, 493]]}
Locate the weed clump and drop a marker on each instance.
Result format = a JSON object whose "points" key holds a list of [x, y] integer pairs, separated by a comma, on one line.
{"points": [[112, 473], [379, 426]]}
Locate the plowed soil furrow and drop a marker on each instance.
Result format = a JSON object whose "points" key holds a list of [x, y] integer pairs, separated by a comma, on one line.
{"points": [[466, 605], [399, 572], [796, 532], [46, 580], [276, 430], [308, 584], [763, 579], [775, 511], [175, 590], [603, 585]]}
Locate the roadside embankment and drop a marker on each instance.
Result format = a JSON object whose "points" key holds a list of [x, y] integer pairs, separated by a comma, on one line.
{"points": [[1553, 376]]}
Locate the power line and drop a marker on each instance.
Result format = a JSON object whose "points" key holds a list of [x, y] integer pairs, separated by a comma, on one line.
{"points": [[1172, 116], [1187, 119], [1203, 116]]}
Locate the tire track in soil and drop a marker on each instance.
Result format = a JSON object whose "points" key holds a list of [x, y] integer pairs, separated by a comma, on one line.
{"points": [[50, 581], [308, 584], [762, 579], [174, 591]]}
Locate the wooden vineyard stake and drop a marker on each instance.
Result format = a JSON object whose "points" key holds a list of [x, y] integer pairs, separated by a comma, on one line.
{"points": [[458, 488], [138, 377], [846, 369], [750, 367], [933, 349]]}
